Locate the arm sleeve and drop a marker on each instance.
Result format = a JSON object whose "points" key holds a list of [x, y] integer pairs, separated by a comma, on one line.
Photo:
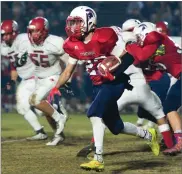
{"points": [[142, 54]]}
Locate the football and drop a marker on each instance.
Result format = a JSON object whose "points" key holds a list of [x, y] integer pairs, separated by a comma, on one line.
{"points": [[109, 64]]}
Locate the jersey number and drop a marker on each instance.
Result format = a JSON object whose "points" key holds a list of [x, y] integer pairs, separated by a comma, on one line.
{"points": [[12, 57], [40, 60]]}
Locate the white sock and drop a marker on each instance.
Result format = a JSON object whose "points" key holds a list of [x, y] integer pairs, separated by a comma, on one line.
{"points": [[98, 157], [57, 116], [145, 134], [178, 131], [32, 119], [163, 128], [130, 129], [98, 133]]}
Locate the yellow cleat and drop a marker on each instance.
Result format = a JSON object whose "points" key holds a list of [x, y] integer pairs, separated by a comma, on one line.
{"points": [[93, 165], [154, 145]]}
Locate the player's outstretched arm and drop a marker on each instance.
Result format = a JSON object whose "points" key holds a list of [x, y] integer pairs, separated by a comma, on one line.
{"points": [[141, 53], [66, 74]]}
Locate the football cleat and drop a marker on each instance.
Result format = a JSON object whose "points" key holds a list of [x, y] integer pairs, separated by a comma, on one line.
{"points": [[154, 145], [39, 136], [56, 140], [162, 144], [86, 150], [175, 149], [93, 165]]}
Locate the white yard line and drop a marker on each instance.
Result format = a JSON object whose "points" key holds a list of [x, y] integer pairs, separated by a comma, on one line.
{"points": [[12, 141]]}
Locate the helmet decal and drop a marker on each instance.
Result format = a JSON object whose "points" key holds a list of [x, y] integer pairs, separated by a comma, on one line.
{"points": [[143, 26], [46, 23], [137, 21], [90, 13], [15, 26]]}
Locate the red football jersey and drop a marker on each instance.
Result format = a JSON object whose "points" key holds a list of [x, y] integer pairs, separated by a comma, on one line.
{"points": [[171, 59], [93, 52]]}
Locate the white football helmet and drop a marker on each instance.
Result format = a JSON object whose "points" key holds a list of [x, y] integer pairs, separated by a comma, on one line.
{"points": [[142, 30], [81, 21], [130, 24]]}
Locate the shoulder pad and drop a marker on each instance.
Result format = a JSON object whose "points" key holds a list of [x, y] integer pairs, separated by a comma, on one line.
{"points": [[104, 34], [21, 43], [4, 49], [69, 47], [21, 38], [153, 37], [54, 44]]}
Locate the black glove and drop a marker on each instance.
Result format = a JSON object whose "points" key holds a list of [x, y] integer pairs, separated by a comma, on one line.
{"points": [[22, 60], [67, 89]]}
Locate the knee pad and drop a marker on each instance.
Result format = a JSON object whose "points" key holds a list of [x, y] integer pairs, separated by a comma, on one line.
{"points": [[22, 110], [34, 100]]}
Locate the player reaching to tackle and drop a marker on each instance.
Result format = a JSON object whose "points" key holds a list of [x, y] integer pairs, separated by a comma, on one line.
{"points": [[155, 48], [140, 95]]}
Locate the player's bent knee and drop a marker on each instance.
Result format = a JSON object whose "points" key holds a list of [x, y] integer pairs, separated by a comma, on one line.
{"points": [[34, 100], [159, 116], [22, 110], [169, 107], [39, 113], [117, 128]]}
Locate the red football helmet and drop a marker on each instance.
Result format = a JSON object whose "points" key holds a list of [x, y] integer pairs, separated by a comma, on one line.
{"points": [[38, 30], [162, 27], [9, 31]]}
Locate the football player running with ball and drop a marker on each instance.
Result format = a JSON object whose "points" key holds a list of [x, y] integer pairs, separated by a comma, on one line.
{"points": [[103, 51]]}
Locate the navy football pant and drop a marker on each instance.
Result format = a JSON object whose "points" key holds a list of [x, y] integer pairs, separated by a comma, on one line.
{"points": [[104, 105], [173, 100]]}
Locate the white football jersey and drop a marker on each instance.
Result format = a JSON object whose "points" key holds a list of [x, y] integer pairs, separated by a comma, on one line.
{"points": [[46, 57], [4, 49], [136, 74], [18, 48]]}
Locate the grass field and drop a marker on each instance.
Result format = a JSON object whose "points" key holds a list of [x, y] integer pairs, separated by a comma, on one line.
{"points": [[123, 154]]}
